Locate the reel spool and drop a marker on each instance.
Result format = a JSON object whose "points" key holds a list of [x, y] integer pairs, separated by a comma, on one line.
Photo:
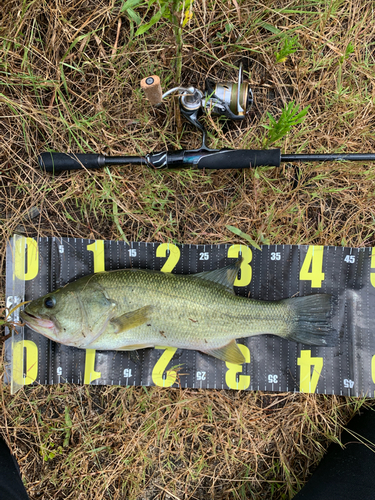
{"points": [[232, 100]]}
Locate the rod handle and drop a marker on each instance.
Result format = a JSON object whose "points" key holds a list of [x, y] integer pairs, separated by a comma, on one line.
{"points": [[152, 88], [240, 158], [57, 162]]}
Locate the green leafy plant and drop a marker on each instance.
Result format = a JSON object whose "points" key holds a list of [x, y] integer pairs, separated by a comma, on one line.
{"points": [[47, 453], [290, 116], [348, 51], [128, 7], [288, 47], [178, 13]]}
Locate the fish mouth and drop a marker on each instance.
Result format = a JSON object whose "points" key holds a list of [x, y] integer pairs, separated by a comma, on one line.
{"points": [[37, 323]]}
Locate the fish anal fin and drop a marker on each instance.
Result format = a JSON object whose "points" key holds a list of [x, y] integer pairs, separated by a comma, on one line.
{"points": [[224, 276], [134, 347], [131, 319], [230, 353]]}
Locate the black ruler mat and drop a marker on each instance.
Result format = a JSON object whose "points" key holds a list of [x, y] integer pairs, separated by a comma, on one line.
{"points": [[36, 267]]}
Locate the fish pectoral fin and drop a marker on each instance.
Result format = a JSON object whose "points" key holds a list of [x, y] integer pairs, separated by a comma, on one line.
{"points": [[134, 347], [131, 319], [225, 276], [230, 353]]}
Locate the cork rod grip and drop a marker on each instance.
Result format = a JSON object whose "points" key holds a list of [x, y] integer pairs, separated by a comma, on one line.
{"points": [[151, 86]]}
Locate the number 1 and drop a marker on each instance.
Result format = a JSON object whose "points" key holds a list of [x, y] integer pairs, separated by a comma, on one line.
{"points": [[97, 248]]}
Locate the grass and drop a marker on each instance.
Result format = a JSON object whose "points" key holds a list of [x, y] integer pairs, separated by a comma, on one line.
{"points": [[121, 442], [69, 81]]}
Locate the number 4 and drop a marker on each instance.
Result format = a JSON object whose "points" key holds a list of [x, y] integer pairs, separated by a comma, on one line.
{"points": [[312, 267], [310, 370]]}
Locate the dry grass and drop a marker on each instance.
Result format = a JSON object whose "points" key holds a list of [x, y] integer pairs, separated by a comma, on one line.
{"points": [[69, 81], [117, 443]]}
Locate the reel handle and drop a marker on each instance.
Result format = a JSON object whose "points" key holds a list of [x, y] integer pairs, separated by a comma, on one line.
{"points": [[152, 88]]}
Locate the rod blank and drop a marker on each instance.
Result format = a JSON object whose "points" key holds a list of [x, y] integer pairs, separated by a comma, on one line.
{"points": [[328, 157]]}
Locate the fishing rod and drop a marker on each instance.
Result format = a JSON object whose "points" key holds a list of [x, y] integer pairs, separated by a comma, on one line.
{"points": [[226, 99]]}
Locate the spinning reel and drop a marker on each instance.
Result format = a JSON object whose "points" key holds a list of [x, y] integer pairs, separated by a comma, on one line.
{"points": [[227, 99]]}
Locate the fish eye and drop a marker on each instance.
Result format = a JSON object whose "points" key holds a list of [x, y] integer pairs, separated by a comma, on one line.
{"points": [[49, 302]]}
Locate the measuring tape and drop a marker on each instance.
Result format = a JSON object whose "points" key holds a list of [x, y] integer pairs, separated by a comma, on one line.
{"points": [[35, 268]]}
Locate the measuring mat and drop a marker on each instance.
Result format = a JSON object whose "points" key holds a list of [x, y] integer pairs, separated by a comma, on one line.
{"points": [[37, 267]]}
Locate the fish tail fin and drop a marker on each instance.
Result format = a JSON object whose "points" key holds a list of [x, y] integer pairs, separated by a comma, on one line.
{"points": [[312, 323]]}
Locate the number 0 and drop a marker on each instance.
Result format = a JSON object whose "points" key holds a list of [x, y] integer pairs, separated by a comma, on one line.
{"points": [[26, 249]]}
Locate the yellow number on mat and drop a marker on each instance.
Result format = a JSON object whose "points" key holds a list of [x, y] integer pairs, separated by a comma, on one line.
{"points": [[309, 382], [246, 270], [313, 260], [32, 263], [372, 276], [373, 368], [20, 350], [90, 373], [173, 257], [98, 250], [161, 366], [232, 379]]}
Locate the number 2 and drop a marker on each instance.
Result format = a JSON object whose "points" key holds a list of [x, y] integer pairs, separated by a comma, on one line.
{"points": [[173, 257], [160, 376]]}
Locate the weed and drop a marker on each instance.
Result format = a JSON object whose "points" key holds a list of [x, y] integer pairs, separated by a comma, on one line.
{"points": [[290, 117], [288, 46]]}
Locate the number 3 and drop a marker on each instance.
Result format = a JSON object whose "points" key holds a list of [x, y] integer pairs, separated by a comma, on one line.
{"points": [[232, 377], [246, 270]]}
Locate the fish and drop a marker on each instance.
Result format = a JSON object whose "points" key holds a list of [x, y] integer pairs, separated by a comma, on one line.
{"points": [[130, 309]]}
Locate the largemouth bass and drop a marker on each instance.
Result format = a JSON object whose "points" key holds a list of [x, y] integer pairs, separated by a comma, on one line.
{"points": [[133, 309]]}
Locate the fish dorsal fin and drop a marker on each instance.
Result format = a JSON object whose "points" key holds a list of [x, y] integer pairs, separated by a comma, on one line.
{"points": [[131, 319], [230, 353], [224, 276]]}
